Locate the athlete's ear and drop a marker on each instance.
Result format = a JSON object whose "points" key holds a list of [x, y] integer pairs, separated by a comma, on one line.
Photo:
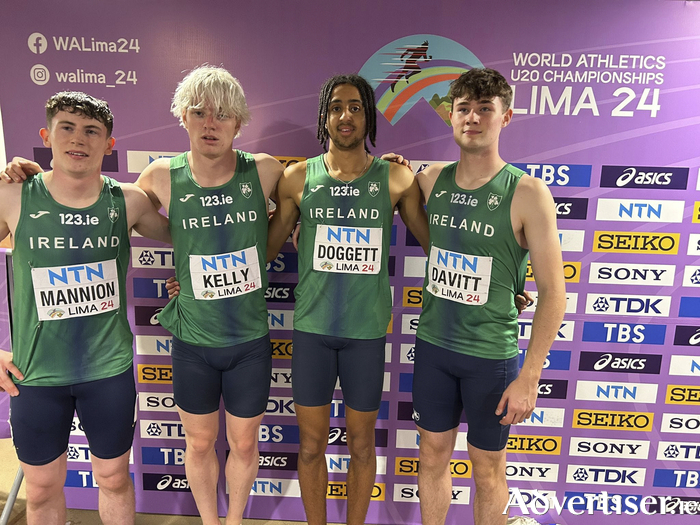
{"points": [[110, 145], [44, 134], [507, 116]]}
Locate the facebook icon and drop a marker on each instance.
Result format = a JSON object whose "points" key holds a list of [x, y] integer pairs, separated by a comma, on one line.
{"points": [[37, 43]]}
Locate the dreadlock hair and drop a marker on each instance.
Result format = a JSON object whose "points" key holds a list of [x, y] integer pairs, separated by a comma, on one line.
{"points": [[368, 103], [79, 103]]}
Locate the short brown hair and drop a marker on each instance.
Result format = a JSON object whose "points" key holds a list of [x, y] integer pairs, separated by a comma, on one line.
{"points": [[80, 103], [481, 83]]}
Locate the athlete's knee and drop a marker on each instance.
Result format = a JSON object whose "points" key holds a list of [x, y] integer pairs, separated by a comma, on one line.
{"points": [[435, 450], [200, 443], [311, 448], [489, 470], [361, 446], [115, 481], [43, 490], [245, 449]]}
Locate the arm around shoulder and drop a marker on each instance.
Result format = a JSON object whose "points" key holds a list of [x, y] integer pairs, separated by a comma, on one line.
{"points": [[409, 203], [269, 170], [142, 215], [289, 191], [154, 179]]}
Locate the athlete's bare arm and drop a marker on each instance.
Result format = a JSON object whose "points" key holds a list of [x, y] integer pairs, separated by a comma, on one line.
{"points": [[535, 226], [269, 170], [10, 204], [405, 195], [142, 215], [426, 179], [289, 191], [155, 181]]}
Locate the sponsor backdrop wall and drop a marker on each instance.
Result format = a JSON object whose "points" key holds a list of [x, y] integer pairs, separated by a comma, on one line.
{"points": [[606, 112]]}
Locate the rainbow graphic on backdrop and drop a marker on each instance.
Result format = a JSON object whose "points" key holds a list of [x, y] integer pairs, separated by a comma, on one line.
{"points": [[414, 68]]}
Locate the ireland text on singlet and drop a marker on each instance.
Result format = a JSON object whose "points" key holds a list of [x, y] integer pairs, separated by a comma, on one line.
{"points": [[344, 243], [475, 267], [219, 239], [69, 268]]}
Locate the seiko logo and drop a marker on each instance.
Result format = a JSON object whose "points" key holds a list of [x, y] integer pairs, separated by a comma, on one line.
{"points": [[639, 421]]}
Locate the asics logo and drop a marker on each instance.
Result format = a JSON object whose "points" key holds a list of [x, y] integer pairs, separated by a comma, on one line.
{"points": [[38, 214], [187, 197]]}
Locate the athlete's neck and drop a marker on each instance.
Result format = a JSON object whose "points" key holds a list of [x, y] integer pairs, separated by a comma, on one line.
{"points": [[73, 191], [477, 168], [212, 171], [347, 165]]}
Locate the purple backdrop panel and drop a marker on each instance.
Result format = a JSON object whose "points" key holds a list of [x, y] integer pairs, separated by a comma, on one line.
{"points": [[605, 112]]}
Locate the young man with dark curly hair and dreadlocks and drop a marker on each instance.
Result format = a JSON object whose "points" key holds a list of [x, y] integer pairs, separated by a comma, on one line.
{"points": [[72, 345], [346, 200], [488, 215]]}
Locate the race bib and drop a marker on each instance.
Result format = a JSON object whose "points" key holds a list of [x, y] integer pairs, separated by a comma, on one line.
{"points": [[77, 290], [225, 275], [347, 249], [458, 277]]}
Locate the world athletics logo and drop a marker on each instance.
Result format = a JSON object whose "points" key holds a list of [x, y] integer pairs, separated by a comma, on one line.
{"points": [[413, 68]]}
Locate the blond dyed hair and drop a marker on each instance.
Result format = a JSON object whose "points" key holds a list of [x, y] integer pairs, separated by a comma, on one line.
{"points": [[214, 86]]}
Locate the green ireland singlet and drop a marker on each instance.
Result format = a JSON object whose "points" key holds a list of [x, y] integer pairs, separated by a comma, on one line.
{"points": [[220, 241], [475, 267], [69, 265], [343, 288]]}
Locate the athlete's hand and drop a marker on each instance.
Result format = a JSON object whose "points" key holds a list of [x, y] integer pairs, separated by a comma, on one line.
{"points": [[173, 287], [19, 169], [523, 301], [519, 401], [7, 367], [395, 157], [295, 236]]}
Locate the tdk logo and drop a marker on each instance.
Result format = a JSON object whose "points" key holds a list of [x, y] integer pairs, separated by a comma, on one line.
{"points": [[161, 429], [578, 175], [152, 257], [643, 334], [676, 451], [598, 475], [619, 362], [281, 406], [658, 306], [644, 177]]}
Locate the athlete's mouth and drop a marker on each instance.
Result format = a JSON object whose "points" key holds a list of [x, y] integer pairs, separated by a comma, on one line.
{"points": [[77, 154]]}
